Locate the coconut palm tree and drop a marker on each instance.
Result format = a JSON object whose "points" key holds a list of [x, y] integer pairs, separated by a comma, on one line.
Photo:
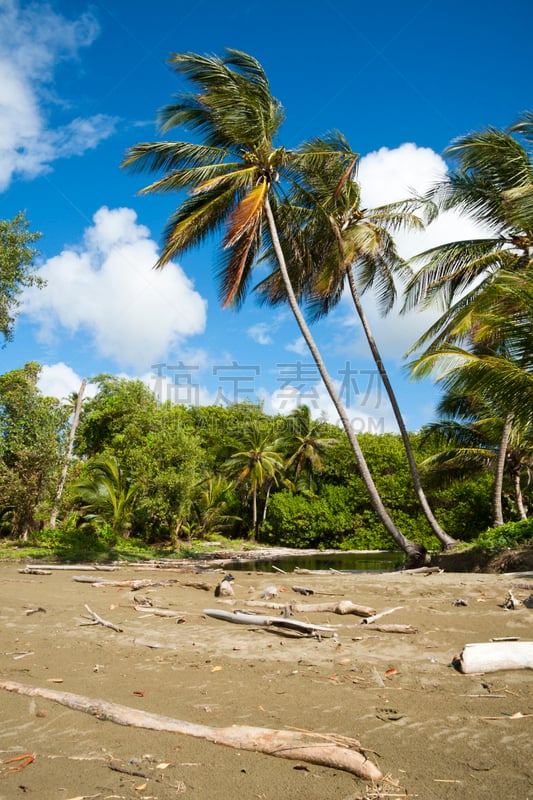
{"points": [[305, 444], [211, 507], [235, 179], [331, 242], [474, 438], [257, 466], [493, 184], [490, 359], [105, 496]]}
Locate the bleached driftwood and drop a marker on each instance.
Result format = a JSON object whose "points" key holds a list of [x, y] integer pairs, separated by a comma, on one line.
{"points": [[35, 571], [511, 603], [374, 617], [342, 607], [327, 750], [158, 612], [241, 618], [392, 628], [305, 590], [133, 584], [421, 571], [82, 567], [331, 571], [96, 620], [494, 656]]}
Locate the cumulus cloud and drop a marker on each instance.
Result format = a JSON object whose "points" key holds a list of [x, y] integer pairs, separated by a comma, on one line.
{"points": [[387, 176], [298, 346], [59, 380], [260, 333], [108, 290], [34, 40]]}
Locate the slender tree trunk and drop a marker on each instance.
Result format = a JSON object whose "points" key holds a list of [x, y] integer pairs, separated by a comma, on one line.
{"points": [[68, 456], [519, 497], [377, 504], [497, 509], [254, 513], [445, 539]]}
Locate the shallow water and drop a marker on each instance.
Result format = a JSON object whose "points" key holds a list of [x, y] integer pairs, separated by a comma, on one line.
{"points": [[351, 562]]}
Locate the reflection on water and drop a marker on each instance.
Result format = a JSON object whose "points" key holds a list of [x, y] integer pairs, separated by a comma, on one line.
{"points": [[351, 562]]}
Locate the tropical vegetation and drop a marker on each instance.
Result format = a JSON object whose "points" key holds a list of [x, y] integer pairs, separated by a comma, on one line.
{"points": [[121, 470]]}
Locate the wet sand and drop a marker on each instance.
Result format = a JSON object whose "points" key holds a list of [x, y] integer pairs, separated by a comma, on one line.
{"points": [[436, 733]]}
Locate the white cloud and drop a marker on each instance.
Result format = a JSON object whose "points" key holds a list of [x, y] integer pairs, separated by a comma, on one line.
{"points": [[387, 176], [108, 289], [260, 333], [60, 380], [298, 346], [34, 40]]}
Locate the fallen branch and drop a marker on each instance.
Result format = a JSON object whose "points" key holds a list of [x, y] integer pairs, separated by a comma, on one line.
{"points": [[159, 612], [342, 607], [82, 567], [392, 628], [373, 618], [96, 620], [242, 618], [335, 752], [331, 571], [493, 656], [305, 590], [421, 571], [35, 571], [134, 584]]}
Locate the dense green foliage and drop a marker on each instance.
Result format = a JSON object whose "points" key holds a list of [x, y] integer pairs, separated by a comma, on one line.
{"points": [[168, 474], [17, 269], [509, 535]]}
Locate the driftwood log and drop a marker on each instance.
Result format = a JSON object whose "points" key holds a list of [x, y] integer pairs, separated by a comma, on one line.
{"points": [[494, 656], [374, 617], [141, 583], [391, 628], [327, 750], [96, 620], [242, 618], [342, 607]]}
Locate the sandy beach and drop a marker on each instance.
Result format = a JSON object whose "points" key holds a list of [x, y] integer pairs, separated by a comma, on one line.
{"points": [[434, 732]]}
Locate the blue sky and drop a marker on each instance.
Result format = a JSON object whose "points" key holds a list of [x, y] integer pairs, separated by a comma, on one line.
{"points": [[80, 82]]}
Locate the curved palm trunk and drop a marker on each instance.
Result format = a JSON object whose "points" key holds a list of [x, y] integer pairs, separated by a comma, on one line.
{"points": [[445, 539], [497, 509], [68, 456], [519, 497], [377, 504]]}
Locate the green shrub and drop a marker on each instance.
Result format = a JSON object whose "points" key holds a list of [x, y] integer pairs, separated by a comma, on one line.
{"points": [[506, 536]]}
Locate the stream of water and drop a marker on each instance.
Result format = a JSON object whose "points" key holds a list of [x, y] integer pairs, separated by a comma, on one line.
{"points": [[352, 562]]}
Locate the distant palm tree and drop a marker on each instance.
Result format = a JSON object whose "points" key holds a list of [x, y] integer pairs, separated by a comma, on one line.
{"points": [[305, 444], [105, 496], [210, 507], [236, 178], [257, 466]]}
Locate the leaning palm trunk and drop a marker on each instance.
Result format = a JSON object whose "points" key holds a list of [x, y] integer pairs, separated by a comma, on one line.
{"points": [[68, 456], [377, 504], [497, 509], [445, 539], [519, 497]]}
